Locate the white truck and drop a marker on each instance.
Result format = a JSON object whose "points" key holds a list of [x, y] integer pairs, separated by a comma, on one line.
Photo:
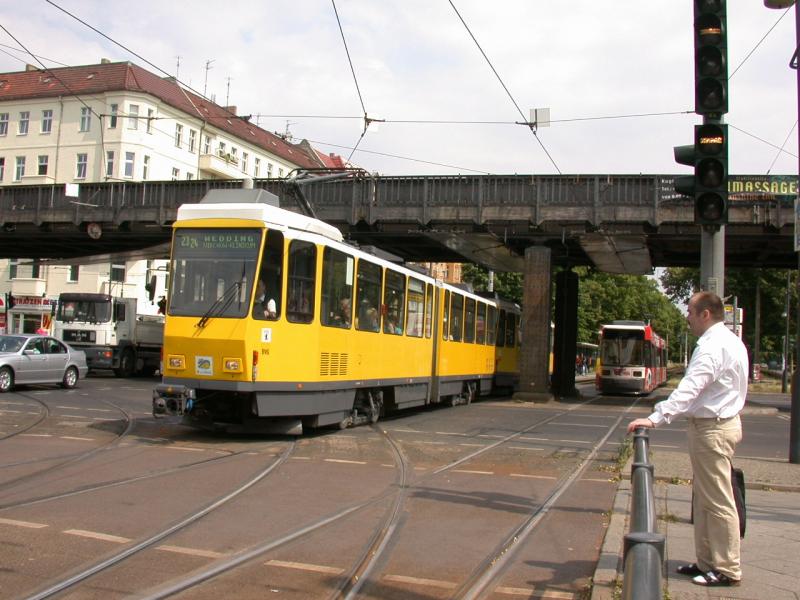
{"points": [[110, 332]]}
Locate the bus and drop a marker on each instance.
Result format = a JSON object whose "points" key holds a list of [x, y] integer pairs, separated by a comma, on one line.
{"points": [[633, 359]]}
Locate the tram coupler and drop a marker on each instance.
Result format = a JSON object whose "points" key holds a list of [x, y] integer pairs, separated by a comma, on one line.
{"points": [[172, 400]]}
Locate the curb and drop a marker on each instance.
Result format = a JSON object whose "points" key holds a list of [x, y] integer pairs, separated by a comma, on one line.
{"points": [[608, 571]]}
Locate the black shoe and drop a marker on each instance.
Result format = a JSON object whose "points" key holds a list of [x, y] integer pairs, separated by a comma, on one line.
{"points": [[690, 570], [715, 579]]}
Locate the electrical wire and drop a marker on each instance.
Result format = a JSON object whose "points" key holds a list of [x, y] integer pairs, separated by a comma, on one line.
{"points": [[349, 60], [780, 149], [749, 54], [514, 102], [34, 55], [788, 135]]}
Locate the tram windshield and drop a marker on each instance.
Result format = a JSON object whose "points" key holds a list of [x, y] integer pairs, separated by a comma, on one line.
{"points": [[213, 272], [622, 348]]}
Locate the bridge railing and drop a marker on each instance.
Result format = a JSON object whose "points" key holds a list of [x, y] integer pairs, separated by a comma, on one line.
{"points": [[643, 551]]}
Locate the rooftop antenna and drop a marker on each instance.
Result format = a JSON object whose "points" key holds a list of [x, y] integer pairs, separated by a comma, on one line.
{"points": [[228, 93], [178, 68], [288, 134], [205, 83]]}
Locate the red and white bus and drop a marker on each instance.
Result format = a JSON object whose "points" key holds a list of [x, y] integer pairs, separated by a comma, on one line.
{"points": [[633, 358]]}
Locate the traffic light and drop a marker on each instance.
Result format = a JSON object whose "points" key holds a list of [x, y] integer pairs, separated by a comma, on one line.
{"points": [[710, 58], [709, 184], [9, 301]]}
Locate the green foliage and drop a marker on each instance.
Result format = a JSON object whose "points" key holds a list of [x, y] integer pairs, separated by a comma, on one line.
{"points": [[508, 285], [741, 284]]}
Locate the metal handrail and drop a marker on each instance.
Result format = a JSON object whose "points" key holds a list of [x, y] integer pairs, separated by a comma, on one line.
{"points": [[643, 553]]}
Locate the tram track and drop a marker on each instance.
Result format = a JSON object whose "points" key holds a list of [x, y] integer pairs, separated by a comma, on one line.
{"points": [[43, 414]]}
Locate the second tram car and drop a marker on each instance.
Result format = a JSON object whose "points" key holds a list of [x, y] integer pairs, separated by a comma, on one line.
{"points": [[274, 324], [633, 359]]}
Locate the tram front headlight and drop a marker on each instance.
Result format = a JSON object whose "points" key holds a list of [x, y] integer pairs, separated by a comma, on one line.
{"points": [[232, 365], [176, 361]]}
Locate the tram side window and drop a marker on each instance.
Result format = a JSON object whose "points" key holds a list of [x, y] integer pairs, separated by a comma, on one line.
{"points": [[456, 317], [428, 310], [269, 294], [337, 288], [469, 320], [511, 330], [415, 307], [302, 275], [446, 316], [368, 296], [501, 329], [648, 356], [394, 299], [491, 329], [480, 324]]}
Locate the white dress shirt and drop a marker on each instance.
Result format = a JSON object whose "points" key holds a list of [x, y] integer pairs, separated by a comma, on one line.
{"points": [[715, 383]]}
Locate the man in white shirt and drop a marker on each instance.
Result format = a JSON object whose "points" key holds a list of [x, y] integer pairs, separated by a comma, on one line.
{"points": [[711, 395]]}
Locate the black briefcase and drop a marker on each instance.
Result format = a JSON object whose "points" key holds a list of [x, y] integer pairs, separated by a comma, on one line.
{"points": [[737, 481]]}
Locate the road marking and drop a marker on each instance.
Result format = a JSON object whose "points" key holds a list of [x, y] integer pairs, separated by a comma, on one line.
{"points": [[81, 439], [407, 430], [447, 585], [304, 567], [86, 409], [191, 551], [435, 443], [27, 524], [524, 448], [347, 462], [186, 448], [534, 439], [664, 446], [473, 472], [531, 476], [579, 425], [573, 441], [597, 480], [300, 458], [36, 435], [97, 536], [452, 433]]}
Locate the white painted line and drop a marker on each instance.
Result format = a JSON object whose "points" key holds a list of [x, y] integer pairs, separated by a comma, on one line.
{"points": [[406, 430], [579, 425], [35, 435], [80, 439], [494, 437], [304, 567], [97, 536], [531, 593], [573, 441], [434, 443], [473, 472], [191, 551], [347, 462], [524, 448], [300, 458], [531, 476], [72, 416], [473, 445], [452, 433], [420, 581], [596, 480], [12, 412], [534, 439], [186, 448], [27, 524], [664, 446]]}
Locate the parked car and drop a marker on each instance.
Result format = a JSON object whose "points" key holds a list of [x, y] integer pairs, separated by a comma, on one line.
{"points": [[27, 358]]}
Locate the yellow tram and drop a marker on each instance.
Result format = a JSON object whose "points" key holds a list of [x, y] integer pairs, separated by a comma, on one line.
{"points": [[274, 324]]}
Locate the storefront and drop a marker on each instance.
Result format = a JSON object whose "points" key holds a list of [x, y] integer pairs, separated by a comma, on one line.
{"points": [[28, 314]]}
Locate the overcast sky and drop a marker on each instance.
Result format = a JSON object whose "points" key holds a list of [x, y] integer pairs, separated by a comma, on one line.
{"points": [[414, 60]]}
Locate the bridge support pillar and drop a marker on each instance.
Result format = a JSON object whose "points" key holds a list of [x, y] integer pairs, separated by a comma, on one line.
{"points": [[565, 335], [534, 360]]}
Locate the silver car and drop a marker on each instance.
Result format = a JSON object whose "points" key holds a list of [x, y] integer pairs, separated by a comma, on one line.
{"points": [[27, 358]]}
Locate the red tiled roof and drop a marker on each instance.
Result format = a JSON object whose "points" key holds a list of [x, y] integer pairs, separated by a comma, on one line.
{"points": [[126, 76]]}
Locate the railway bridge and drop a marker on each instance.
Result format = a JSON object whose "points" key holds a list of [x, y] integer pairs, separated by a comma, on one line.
{"points": [[522, 223]]}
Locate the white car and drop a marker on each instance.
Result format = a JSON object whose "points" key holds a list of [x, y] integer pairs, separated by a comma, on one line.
{"points": [[27, 358]]}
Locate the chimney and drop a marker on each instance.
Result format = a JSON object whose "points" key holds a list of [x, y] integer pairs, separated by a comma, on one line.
{"points": [[30, 67], [105, 61], [230, 109]]}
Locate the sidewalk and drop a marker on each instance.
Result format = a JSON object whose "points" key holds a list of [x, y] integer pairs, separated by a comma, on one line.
{"points": [[770, 549]]}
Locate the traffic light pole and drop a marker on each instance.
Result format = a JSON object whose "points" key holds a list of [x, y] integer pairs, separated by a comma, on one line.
{"points": [[794, 423], [712, 260]]}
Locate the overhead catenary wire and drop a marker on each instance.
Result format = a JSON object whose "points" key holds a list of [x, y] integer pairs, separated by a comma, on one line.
{"points": [[749, 54], [500, 79], [780, 150]]}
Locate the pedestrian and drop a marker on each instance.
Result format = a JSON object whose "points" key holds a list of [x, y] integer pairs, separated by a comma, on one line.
{"points": [[711, 395]]}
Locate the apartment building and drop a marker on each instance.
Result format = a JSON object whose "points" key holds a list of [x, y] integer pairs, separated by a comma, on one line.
{"points": [[115, 121]]}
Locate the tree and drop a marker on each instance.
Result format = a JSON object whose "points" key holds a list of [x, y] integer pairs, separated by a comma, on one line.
{"points": [[507, 285]]}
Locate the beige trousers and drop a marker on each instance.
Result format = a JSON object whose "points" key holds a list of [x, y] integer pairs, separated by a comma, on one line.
{"points": [[716, 522]]}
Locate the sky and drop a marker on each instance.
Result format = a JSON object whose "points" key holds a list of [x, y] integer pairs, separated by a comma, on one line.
{"points": [[595, 64]]}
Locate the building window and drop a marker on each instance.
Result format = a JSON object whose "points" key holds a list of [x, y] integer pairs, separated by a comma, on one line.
{"points": [[112, 118], [189, 175], [256, 167], [280, 172], [80, 169], [133, 116], [192, 140], [13, 263], [222, 149], [117, 273], [24, 119], [19, 172], [206, 143], [176, 173], [43, 159], [245, 158], [86, 119], [178, 135], [150, 117], [2, 167], [4, 124], [36, 270], [110, 163], [47, 121], [145, 167], [129, 160], [269, 169], [73, 273]]}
